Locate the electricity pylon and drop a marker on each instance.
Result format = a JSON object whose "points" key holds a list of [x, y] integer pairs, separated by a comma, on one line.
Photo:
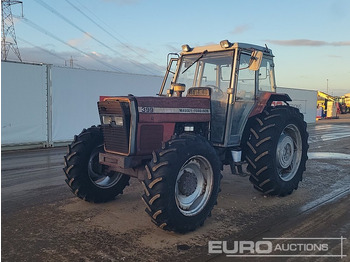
{"points": [[8, 35]]}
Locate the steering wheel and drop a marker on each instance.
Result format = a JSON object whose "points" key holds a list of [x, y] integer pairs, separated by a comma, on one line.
{"points": [[218, 92]]}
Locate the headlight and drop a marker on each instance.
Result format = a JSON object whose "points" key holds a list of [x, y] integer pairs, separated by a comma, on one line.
{"points": [[225, 44], [189, 128], [113, 120], [186, 48]]}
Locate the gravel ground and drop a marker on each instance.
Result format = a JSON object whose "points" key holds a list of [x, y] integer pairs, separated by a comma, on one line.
{"points": [[43, 221]]}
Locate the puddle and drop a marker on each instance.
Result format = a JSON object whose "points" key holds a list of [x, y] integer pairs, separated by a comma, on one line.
{"points": [[326, 198], [328, 155], [334, 136], [328, 132]]}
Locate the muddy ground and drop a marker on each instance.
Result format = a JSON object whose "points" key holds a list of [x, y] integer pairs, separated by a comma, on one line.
{"points": [[43, 221]]}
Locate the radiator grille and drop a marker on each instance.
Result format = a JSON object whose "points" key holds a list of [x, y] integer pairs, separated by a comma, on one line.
{"points": [[116, 138]]}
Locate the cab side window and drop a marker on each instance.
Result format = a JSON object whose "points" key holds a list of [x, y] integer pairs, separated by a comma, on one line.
{"points": [[246, 80], [265, 74]]}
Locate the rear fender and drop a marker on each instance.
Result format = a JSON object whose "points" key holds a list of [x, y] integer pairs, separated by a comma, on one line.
{"points": [[266, 99]]}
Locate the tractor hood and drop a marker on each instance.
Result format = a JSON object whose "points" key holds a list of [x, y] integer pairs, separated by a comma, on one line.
{"points": [[138, 125], [163, 109], [173, 109]]}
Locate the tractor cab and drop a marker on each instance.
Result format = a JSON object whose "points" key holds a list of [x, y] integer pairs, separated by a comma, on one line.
{"points": [[231, 75]]}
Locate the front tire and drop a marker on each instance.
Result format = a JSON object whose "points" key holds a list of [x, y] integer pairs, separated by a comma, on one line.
{"points": [[182, 183], [276, 150], [86, 177]]}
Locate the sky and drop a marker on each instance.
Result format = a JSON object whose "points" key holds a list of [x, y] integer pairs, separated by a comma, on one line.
{"points": [[310, 39]]}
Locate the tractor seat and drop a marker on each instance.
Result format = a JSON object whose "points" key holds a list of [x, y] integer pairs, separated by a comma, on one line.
{"points": [[199, 92]]}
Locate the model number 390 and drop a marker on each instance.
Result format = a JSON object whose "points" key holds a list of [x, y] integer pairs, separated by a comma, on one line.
{"points": [[146, 109]]}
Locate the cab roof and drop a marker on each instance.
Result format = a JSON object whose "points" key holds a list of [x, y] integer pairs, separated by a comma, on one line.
{"points": [[225, 45]]}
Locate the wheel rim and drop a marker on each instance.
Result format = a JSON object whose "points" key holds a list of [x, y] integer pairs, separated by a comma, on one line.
{"points": [[97, 174], [289, 151], [194, 185]]}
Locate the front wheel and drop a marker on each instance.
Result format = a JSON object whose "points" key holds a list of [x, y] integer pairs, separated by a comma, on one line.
{"points": [[182, 183], [86, 177], [276, 150]]}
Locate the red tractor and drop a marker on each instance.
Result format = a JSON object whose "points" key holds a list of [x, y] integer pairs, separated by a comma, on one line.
{"points": [[214, 108]]}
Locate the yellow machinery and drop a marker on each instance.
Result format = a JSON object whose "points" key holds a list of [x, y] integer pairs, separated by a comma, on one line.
{"points": [[328, 103], [331, 105], [344, 103]]}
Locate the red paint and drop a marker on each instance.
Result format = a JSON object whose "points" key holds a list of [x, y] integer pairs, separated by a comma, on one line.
{"points": [[158, 127], [174, 102], [168, 131], [277, 99], [103, 98], [168, 120], [172, 118], [260, 105]]}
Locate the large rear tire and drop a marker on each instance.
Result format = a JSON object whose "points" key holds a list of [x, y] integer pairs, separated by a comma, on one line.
{"points": [[276, 150], [182, 183], [86, 177]]}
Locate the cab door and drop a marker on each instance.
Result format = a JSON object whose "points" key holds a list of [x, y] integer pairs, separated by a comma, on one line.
{"points": [[242, 99]]}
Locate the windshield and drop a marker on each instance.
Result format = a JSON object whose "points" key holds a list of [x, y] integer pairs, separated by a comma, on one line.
{"points": [[213, 70], [206, 69]]}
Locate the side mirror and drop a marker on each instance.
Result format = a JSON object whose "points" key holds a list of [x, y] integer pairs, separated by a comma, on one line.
{"points": [[255, 60]]}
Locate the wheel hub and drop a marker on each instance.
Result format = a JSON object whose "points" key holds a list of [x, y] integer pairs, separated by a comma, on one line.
{"points": [[285, 151], [97, 173], [187, 183], [194, 185]]}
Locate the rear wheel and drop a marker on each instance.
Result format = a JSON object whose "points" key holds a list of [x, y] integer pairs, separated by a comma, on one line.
{"points": [[276, 150], [86, 177], [182, 183]]}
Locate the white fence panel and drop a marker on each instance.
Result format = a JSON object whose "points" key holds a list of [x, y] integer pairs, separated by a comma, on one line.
{"points": [[75, 94], [23, 104], [304, 100], [45, 104]]}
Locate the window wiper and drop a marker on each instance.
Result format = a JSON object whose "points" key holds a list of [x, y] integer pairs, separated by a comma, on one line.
{"points": [[195, 61]]}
